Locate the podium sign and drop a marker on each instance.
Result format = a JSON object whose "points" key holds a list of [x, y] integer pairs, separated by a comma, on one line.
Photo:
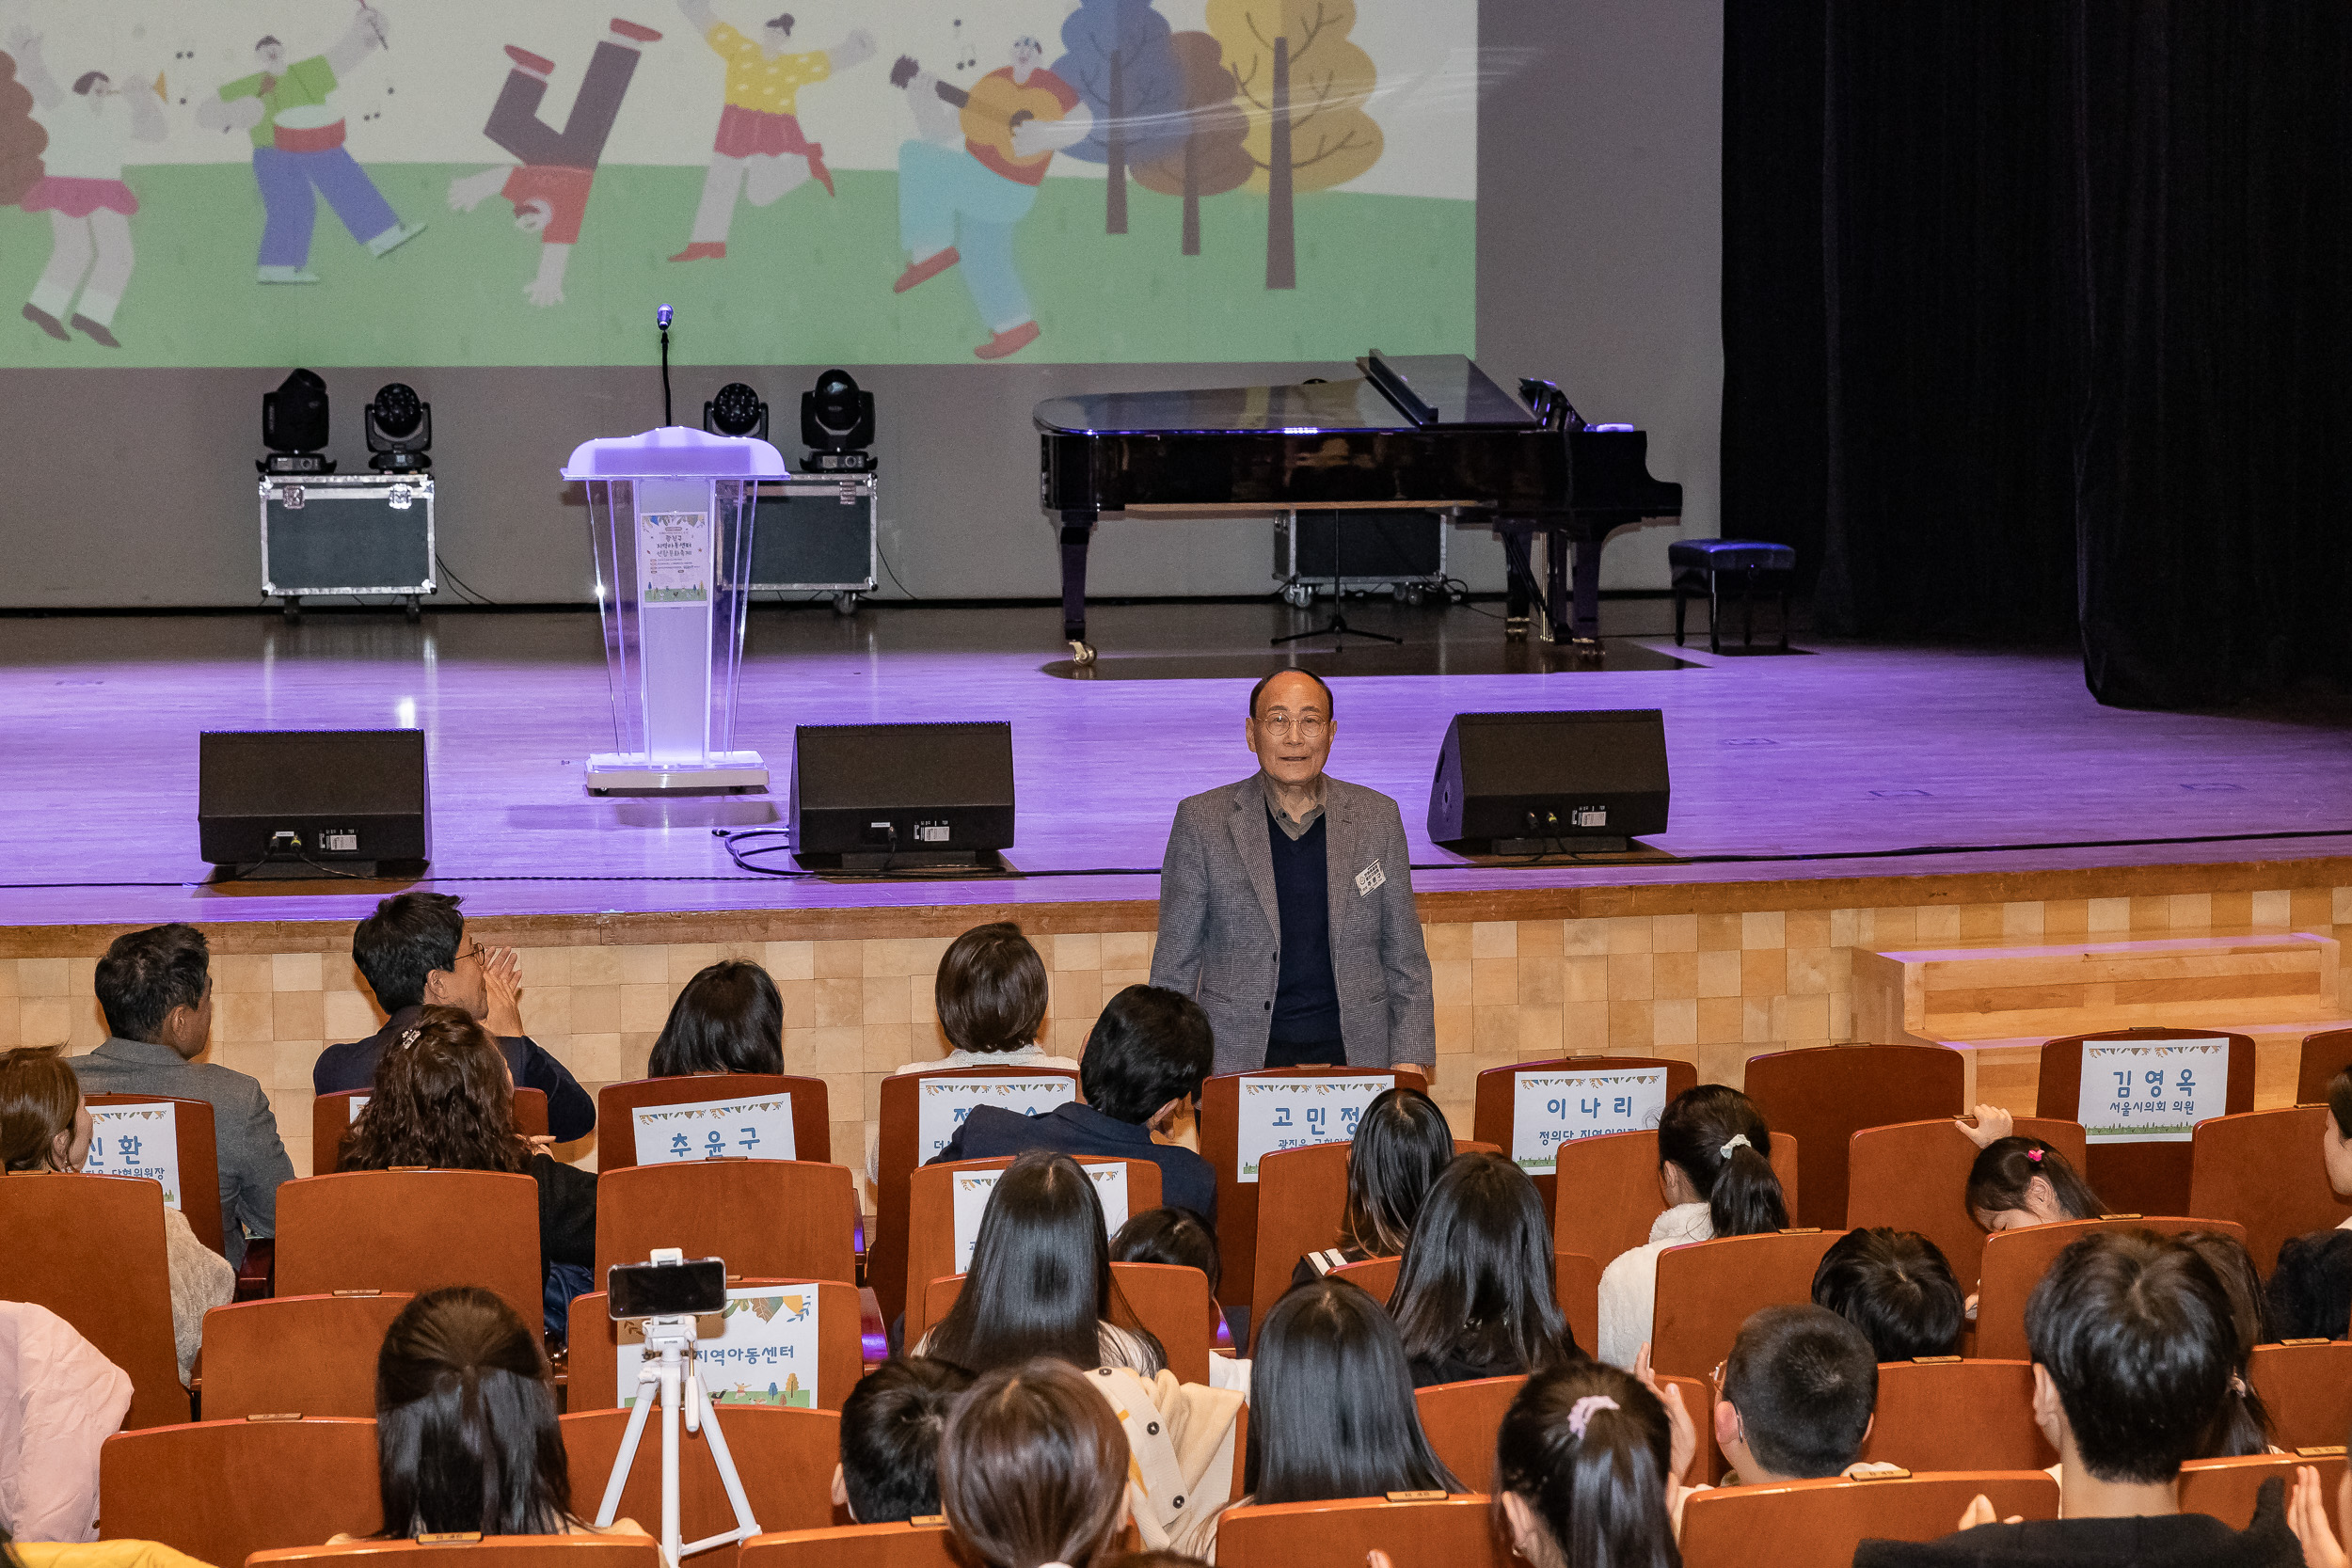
{"points": [[670, 520]]}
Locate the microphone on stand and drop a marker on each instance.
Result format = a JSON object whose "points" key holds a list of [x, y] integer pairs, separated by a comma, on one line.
{"points": [[662, 316]]}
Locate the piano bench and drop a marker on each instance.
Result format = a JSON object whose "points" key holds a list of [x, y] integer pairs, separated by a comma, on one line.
{"points": [[1699, 566]]}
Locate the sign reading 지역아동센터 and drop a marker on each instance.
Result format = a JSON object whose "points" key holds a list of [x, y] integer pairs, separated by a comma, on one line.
{"points": [[761, 1350]]}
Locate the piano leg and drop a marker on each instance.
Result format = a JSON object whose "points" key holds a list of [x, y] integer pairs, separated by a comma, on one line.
{"points": [[1518, 585], [1583, 621], [1077, 530]]}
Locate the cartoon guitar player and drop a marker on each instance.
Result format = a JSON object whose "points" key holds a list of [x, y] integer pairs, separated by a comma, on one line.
{"points": [[958, 203]]}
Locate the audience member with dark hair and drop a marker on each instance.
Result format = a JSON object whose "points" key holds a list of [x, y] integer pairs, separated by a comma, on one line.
{"points": [[1400, 1145], [2311, 1291], [728, 1018], [1715, 1172], [1331, 1410], [2018, 1181], [1897, 1288], [45, 1127], [2243, 1425], [1040, 1279], [891, 1426], [1585, 1473], [2132, 1345], [1474, 1297], [1144, 1064], [443, 1099], [1800, 1389], [414, 953], [2335, 1141], [1033, 1470], [1183, 1239], [989, 994], [155, 987]]}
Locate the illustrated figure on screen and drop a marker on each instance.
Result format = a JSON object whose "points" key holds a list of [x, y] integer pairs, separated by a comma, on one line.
{"points": [[972, 175], [81, 189], [298, 151], [760, 152], [550, 186]]}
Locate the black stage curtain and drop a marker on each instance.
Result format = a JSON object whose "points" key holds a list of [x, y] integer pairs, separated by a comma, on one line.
{"points": [[2038, 323]]}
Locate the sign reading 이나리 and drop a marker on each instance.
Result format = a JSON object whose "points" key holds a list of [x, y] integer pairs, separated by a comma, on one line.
{"points": [[761, 1350], [1550, 1109], [942, 1104], [757, 1128], [974, 1188], [139, 1139], [2152, 1091], [1294, 1113]]}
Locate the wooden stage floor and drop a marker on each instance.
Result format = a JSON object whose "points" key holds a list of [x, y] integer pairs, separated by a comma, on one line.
{"points": [[1785, 769]]}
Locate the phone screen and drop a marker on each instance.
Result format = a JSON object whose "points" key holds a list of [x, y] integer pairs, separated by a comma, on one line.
{"points": [[694, 1287]]}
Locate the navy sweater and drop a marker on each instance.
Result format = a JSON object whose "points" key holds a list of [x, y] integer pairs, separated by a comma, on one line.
{"points": [[1306, 997]]}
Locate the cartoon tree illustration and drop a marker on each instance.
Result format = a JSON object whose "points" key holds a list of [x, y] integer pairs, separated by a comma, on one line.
{"points": [[21, 138], [1206, 157], [1304, 86], [1119, 62]]}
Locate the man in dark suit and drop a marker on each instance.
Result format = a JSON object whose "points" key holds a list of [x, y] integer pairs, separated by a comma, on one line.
{"points": [[1143, 1064], [414, 952], [155, 987]]}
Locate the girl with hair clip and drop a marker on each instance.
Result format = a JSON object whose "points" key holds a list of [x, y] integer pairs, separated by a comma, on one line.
{"points": [[1586, 1466], [1715, 1171], [2020, 1182], [728, 1018], [1402, 1143], [2242, 1425], [1331, 1410], [1033, 1470], [1474, 1297]]}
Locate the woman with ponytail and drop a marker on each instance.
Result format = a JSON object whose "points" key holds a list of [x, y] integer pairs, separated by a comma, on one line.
{"points": [[1584, 1472], [1715, 1171]]}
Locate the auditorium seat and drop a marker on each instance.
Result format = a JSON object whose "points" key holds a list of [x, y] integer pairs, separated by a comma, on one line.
{"points": [[2015, 1261], [1423, 1532], [2263, 1170], [1461, 1420], [1169, 1301], [413, 1230], [331, 1114], [2228, 1488], [907, 1545], [1706, 1290], [896, 1161], [770, 1219], [2138, 1178], [91, 1248], [2306, 1385], [497, 1551], [616, 1105], [1375, 1276], [1615, 1180], [305, 1355], [595, 1353], [1803, 1523], [2323, 1057], [1575, 1282], [1496, 1106], [931, 1222], [1954, 1415], [785, 1457], [220, 1491], [1914, 1176], [199, 1160], [1824, 1097]]}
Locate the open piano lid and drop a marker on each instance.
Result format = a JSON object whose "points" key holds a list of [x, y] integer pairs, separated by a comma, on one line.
{"points": [[1412, 391]]}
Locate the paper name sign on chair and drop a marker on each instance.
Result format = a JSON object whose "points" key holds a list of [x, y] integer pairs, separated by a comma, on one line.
{"points": [[359, 1102], [975, 1187], [137, 1140], [762, 1349], [1297, 1113], [2152, 1091], [942, 1104], [757, 1128], [1548, 1109]]}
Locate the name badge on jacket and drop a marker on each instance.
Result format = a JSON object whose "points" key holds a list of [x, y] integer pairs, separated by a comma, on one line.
{"points": [[1369, 877]]}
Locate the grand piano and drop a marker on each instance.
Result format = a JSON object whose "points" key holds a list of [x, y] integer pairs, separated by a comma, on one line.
{"points": [[1418, 432]]}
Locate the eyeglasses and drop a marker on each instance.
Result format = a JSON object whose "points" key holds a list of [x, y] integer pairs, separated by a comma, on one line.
{"points": [[1307, 726], [473, 951]]}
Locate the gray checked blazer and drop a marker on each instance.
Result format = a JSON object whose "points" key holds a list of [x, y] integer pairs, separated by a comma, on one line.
{"points": [[1220, 931]]}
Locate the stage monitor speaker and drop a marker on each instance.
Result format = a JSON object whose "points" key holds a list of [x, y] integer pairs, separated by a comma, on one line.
{"points": [[1520, 784], [289, 801], [889, 797]]}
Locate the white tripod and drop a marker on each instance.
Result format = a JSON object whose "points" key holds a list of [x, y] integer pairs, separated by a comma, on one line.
{"points": [[670, 1367]]}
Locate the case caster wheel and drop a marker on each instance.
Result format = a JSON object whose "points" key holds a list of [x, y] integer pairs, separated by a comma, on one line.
{"points": [[844, 603], [414, 610], [1298, 595], [291, 609], [1415, 597], [1081, 652]]}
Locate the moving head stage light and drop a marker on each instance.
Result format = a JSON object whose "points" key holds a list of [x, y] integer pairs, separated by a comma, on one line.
{"points": [[399, 430], [737, 410], [293, 426], [837, 426]]}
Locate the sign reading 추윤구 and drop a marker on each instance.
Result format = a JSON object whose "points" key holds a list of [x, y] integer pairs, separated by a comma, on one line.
{"points": [[2152, 1091], [1294, 1113], [974, 1188], [757, 1128], [761, 1350], [1552, 1108], [138, 1139], [941, 1103]]}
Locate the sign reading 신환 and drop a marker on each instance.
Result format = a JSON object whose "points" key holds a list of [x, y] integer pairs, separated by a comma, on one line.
{"points": [[140, 1139]]}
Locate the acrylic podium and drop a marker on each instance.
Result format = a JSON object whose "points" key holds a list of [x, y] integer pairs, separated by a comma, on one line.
{"points": [[670, 518]]}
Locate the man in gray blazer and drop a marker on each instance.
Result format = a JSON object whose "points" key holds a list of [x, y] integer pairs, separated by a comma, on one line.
{"points": [[155, 987], [1286, 905]]}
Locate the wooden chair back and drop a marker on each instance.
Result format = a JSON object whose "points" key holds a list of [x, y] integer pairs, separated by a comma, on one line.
{"points": [[1171, 1301], [496, 1551], [1302, 1202], [770, 1219], [906, 1545], [896, 1160], [931, 1223], [596, 1353], [1707, 1290], [1453, 1530], [2323, 1057], [618, 1105], [2229, 1489], [221, 1491], [786, 1458], [1462, 1419], [413, 1230], [1493, 1112], [1613, 1179], [2138, 1178], [1824, 1097], [2263, 1169], [1914, 1176], [2015, 1261], [1957, 1415], [1375, 1276], [2307, 1387], [199, 1160], [331, 1114], [1575, 1280], [1802, 1524], [91, 1248], [304, 1355]]}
